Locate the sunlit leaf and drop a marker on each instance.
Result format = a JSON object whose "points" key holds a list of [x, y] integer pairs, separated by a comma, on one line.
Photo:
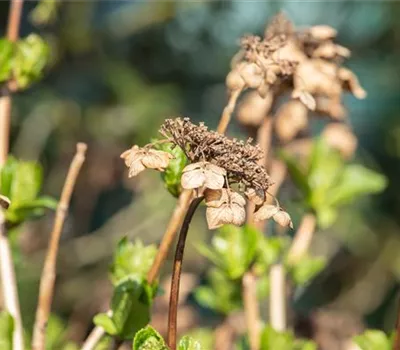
{"points": [[6, 55], [297, 173], [31, 57], [188, 343], [148, 339], [45, 12], [132, 260], [373, 340], [6, 331], [106, 322], [307, 268], [355, 180]]}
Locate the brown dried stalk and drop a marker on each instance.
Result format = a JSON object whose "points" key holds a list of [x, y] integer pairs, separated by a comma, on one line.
{"points": [[228, 110], [277, 299], [49, 270], [176, 274], [8, 280], [251, 309], [302, 239]]}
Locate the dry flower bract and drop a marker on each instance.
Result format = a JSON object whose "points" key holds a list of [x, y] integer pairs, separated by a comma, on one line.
{"points": [[224, 206], [197, 175], [138, 159], [268, 211]]}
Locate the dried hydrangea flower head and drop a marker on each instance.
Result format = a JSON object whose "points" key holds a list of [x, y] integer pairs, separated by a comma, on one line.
{"points": [[214, 151], [138, 159]]}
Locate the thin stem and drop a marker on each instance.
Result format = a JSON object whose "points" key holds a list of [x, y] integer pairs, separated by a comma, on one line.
{"points": [[277, 300], [8, 279], [176, 274], [224, 335], [49, 271], [9, 284], [228, 110], [169, 234], [251, 309], [94, 337], [302, 239]]}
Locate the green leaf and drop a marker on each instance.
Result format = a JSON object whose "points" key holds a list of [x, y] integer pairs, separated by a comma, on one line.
{"points": [[222, 295], [307, 268], [6, 55], [31, 57], [132, 260], [188, 343], [6, 331], [326, 216], [325, 166], [6, 176], [298, 175], [130, 305], [148, 339], [355, 180], [204, 336], [45, 12], [271, 340], [269, 250], [234, 249], [173, 173], [104, 321], [373, 340]]}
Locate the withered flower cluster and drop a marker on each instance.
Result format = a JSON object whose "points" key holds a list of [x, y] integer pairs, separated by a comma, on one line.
{"points": [[217, 163], [303, 65]]}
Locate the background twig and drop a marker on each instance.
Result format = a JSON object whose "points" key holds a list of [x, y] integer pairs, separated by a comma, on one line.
{"points": [[8, 280], [49, 271]]}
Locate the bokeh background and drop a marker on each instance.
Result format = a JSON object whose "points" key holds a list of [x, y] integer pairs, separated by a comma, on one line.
{"points": [[118, 69]]}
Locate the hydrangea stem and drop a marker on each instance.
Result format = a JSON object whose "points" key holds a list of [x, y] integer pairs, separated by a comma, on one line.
{"points": [[228, 110], [176, 274]]}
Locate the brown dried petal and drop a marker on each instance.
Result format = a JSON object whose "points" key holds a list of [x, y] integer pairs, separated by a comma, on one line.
{"points": [[283, 218], [322, 32], [291, 118], [349, 78], [154, 159], [130, 154], [306, 98], [253, 109], [267, 211], [216, 198], [238, 214], [331, 50], [236, 198], [193, 166], [216, 217], [234, 80], [257, 197], [193, 179], [340, 137], [4, 202], [251, 74], [215, 169], [136, 167]]}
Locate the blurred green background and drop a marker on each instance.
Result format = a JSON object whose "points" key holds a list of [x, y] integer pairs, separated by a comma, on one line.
{"points": [[119, 68]]}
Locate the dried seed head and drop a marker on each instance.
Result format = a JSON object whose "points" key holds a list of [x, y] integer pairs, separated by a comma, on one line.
{"points": [[305, 98], [329, 50], [351, 83], [224, 206], [291, 118], [331, 107], [340, 137], [138, 159], [234, 80], [4, 202], [203, 174]]}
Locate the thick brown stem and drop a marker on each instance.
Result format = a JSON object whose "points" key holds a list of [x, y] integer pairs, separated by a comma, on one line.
{"points": [[49, 271], [176, 274], [169, 234], [251, 309], [228, 110], [302, 239]]}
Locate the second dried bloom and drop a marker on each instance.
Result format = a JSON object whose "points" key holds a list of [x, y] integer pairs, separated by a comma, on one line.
{"points": [[138, 159], [268, 211]]}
